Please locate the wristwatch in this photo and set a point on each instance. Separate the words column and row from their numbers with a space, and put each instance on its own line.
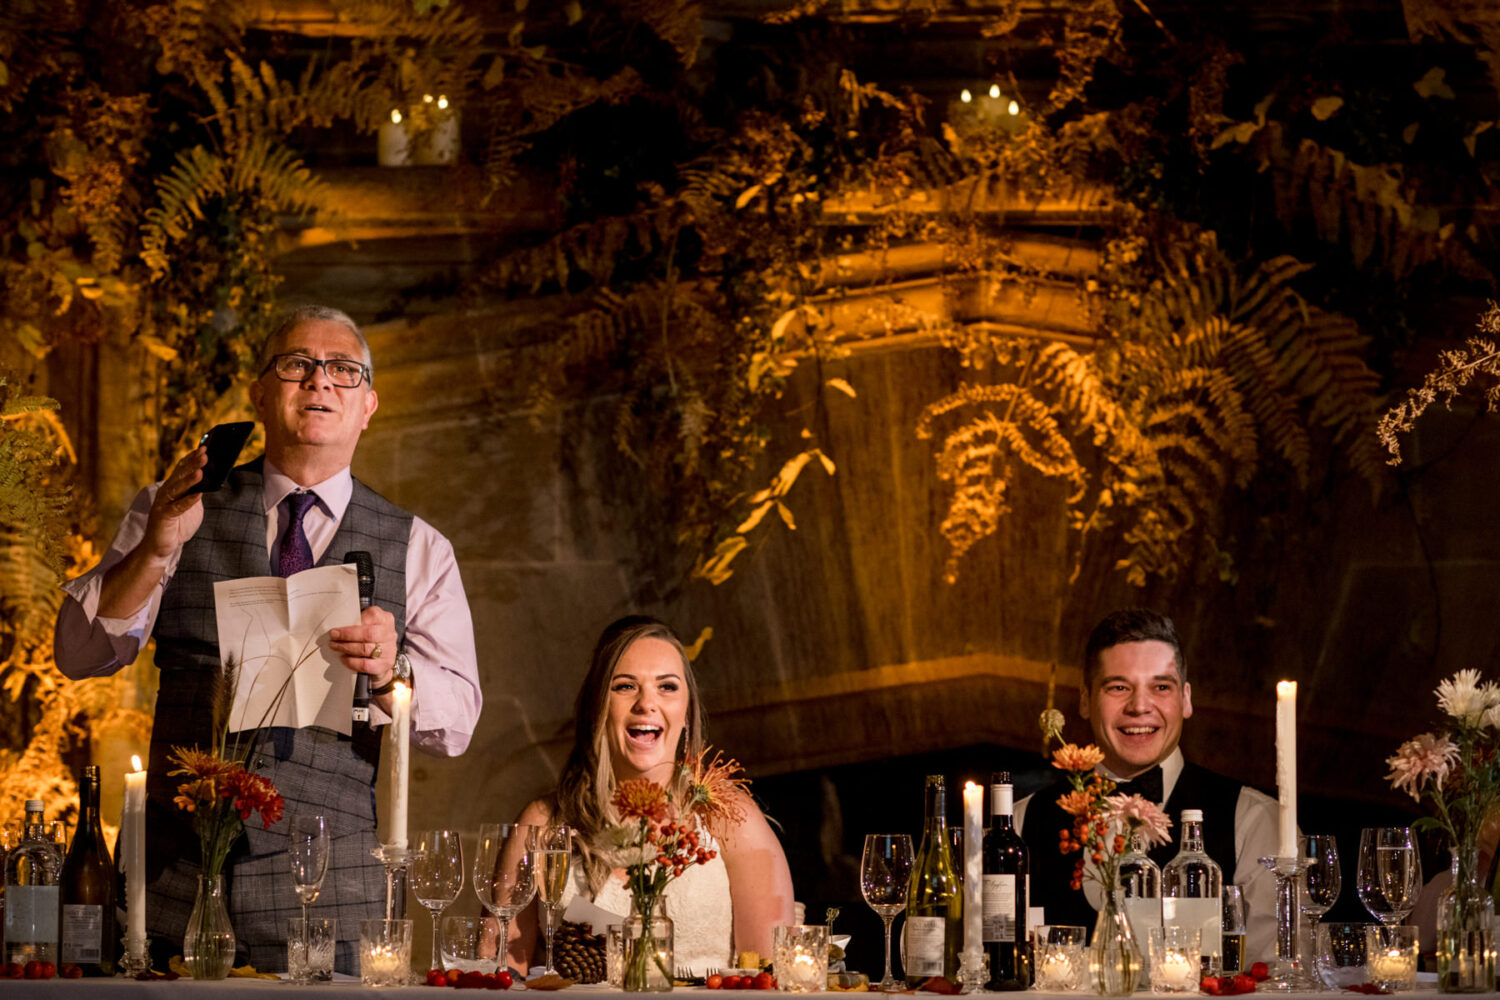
column 402, row 673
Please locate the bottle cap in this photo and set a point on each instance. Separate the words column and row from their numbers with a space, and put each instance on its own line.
column 34, row 805
column 1192, row 815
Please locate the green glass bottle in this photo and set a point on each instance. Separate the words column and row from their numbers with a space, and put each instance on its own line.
column 934, row 907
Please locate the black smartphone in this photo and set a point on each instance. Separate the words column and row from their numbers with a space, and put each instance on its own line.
column 224, row 442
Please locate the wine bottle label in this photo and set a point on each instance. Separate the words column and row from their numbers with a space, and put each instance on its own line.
column 82, row 933
column 924, row 946
column 31, row 912
column 999, row 908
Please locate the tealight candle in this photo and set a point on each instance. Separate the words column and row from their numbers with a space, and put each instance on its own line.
column 1056, row 971
column 1175, row 972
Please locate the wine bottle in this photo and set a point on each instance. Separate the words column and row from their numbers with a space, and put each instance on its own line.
column 1006, row 865
column 934, row 909
column 32, row 868
column 88, row 889
column 1192, row 886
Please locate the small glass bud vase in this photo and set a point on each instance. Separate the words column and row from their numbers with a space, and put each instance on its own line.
column 1115, row 955
column 208, row 945
column 1465, row 930
column 647, row 947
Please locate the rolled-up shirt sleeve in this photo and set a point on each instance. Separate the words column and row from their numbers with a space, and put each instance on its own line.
column 446, row 698
column 87, row 645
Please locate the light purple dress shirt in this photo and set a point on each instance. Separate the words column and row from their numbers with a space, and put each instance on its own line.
column 439, row 630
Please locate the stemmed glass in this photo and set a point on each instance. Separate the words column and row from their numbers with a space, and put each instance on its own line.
column 551, row 847
column 308, row 851
column 1390, row 872
column 437, row 875
column 883, row 874
column 504, row 879
column 1324, row 879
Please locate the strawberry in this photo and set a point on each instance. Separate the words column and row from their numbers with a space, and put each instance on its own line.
column 1244, row 983
column 1210, row 985
column 1260, row 972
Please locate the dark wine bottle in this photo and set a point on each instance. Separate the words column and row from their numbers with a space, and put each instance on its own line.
column 934, row 908
column 1006, row 865
column 88, row 889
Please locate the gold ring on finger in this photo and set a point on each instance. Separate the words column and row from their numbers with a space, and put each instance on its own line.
column 375, row 653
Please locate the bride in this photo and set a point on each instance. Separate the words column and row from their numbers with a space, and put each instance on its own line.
column 638, row 716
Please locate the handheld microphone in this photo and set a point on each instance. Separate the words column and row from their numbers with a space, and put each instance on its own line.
column 364, row 568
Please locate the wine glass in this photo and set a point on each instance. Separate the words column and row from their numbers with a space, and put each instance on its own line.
column 1324, row 879
column 883, row 873
column 307, row 848
column 504, row 879
column 551, row 847
column 1390, row 872
column 437, row 875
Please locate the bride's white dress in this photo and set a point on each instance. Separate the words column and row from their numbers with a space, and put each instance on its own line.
column 697, row 901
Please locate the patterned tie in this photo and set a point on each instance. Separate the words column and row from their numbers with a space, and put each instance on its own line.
column 1148, row 784
column 296, row 554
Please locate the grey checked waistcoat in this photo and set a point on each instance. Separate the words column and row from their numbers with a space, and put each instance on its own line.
column 314, row 770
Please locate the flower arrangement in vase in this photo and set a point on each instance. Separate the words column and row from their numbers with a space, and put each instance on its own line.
column 659, row 836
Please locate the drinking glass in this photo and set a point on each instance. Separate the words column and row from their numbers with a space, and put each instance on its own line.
column 1324, row 879
column 307, row 848
column 1390, row 872
column 551, row 847
column 1340, row 957
column 504, row 879
column 1236, row 916
column 884, row 870
column 437, row 876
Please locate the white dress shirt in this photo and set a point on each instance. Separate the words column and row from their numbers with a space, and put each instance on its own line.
column 1256, row 836
column 446, row 698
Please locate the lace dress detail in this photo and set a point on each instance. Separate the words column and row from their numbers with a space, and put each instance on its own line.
column 697, row 901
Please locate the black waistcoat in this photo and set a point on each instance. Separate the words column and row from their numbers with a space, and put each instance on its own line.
column 1052, row 871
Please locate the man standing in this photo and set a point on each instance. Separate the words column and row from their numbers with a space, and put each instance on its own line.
column 297, row 508
column 1136, row 696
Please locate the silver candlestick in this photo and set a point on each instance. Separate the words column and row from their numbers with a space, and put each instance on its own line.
column 1288, row 973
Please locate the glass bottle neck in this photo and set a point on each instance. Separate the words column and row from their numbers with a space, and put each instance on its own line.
column 1002, row 805
column 937, row 808
column 1192, row 837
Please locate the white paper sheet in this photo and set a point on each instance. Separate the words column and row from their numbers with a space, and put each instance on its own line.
column 277, row 628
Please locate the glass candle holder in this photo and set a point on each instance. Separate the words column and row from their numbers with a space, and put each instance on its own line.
column 1059, row 956
column 801, row 958
column 310, row 946
column 384, row 952
column 1175, row 954
column 1391, row 956
column 614, row 955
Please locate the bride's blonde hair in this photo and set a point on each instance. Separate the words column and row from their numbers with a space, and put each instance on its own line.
column 588, row 778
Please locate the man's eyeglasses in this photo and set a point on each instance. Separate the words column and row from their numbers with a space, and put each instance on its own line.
column 342, row 372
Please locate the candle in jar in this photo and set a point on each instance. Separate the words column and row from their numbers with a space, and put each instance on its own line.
column 973, row 874
column 1286, row 765
column 400, row 761
column 1393, row 964
column 133, row 831
column 1176, row 972
column 1056, row 972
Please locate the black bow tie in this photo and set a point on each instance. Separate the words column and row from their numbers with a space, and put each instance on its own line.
column 1147, row 784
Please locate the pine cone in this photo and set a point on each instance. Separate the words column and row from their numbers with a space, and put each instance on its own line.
column 578, row 953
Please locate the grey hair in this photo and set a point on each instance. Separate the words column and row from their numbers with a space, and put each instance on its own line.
column 297, row 315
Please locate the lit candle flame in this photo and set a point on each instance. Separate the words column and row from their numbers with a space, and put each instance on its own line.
column 443, row 101
column 1286, row 689
column 426, row 98
column 966, row 97
column 135, row 761
column 395, row 117
column 1014, row 108
column 994, row 90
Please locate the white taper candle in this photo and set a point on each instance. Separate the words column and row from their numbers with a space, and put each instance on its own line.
column 1286, row 765
column 400, row 760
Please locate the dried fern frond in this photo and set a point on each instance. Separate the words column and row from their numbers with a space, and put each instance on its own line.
column 1479, row 357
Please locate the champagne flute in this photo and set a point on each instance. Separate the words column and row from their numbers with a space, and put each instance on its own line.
column 551, row 847
column 307, row 848
column 437, row 876
column 504, row 879
column 1390, row 872
column 884, row 871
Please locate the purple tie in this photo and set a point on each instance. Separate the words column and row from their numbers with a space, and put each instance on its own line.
column 296, row 554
